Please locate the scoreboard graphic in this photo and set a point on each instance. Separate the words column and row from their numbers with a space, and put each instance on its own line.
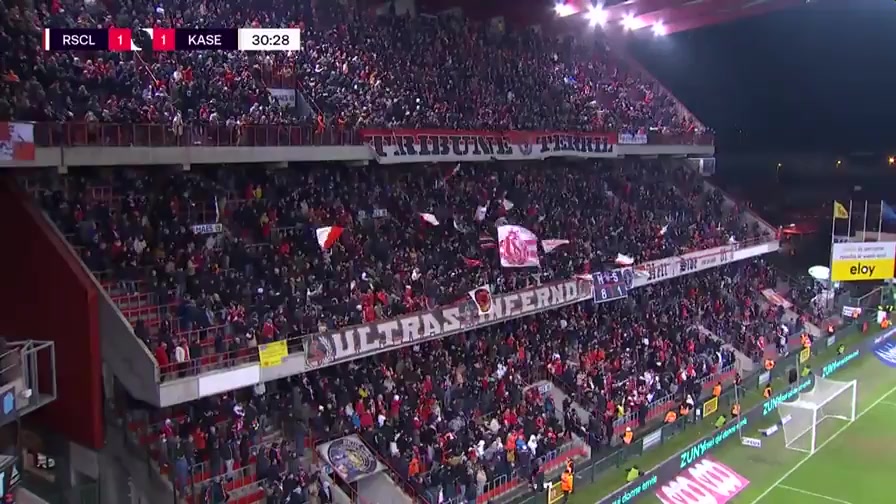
column 172, row 39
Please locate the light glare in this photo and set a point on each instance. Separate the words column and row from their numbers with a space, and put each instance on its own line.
column 597, row 16
column 628, row 22
column 563, row 10
column 659, row 29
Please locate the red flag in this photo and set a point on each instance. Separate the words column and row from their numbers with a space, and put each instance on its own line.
column 472, row 263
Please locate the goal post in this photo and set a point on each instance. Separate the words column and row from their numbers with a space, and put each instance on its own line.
column 828, row 399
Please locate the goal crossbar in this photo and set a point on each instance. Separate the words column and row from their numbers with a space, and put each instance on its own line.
column 828, row 399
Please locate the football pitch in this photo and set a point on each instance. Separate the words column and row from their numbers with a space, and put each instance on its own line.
column 851, row 464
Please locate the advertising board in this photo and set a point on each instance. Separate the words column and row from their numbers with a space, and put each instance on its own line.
column 670, row 469
column 862, row 261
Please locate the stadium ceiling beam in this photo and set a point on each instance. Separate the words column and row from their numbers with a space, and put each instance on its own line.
column 683, row 21
column 711, row 9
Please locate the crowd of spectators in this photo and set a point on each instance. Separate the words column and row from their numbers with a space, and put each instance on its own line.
column 453, row 415
column 356, row 69
column 264, row 277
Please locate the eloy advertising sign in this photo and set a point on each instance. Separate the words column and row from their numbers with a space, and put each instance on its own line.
column 863, row 261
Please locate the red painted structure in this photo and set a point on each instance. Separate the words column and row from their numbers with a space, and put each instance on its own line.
column 48, row 296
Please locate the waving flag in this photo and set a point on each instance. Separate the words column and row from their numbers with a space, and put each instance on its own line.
column 471, row 263
column 517, row 246
column 550, row 245
column 430, row 218
column 624, row 260
column 327, row 236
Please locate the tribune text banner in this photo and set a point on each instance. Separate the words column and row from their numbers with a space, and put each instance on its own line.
column 414, row 146
column 359, row 341
column 684, row 264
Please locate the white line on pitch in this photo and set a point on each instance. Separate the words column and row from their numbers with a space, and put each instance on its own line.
column 813, row 494
column 822, row 445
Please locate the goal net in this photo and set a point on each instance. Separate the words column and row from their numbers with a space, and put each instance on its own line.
column 801, row 419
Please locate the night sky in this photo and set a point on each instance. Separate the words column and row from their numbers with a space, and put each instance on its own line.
column 815, row 77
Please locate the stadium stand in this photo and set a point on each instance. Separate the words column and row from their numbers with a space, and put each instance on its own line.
column 197, row 299
column 135, row 229
column 340, row 72
column 210, row 264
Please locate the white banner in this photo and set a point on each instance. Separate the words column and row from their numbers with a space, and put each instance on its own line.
column 688, row 263
column 517, row 246
column 637, row 138
column 208, row 228
column 16, row 141
column 438, row 146
column 286, row 97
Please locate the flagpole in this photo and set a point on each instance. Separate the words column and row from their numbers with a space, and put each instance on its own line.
column 880, row 220
column 865, row 225
column 833, row 225
column 849, row 223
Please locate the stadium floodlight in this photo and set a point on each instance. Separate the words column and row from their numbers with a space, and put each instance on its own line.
column 659, row 29
column 597, row 16
column 563, row 10
column 628, row 22
column 827, row 399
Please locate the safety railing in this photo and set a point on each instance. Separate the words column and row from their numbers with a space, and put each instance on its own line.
column 75, row 134
column 79, row 134
column 547, row 462
column 659, row 406
column 691, row 138
column 134, row 300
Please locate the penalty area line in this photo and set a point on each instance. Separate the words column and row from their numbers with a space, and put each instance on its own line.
column 822, row 445
column 813, row 494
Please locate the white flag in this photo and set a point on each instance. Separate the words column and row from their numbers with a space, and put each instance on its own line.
column 508, row 205
column 517, row 246
column 624, row 260
column 550, row 245
column 430, row 218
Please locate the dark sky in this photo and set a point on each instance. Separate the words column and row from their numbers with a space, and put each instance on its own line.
column 818, row 77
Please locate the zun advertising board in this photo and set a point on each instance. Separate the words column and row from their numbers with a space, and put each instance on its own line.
column 863, row 261
column 652, row 480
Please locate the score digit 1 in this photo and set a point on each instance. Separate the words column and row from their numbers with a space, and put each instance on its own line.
column 163, row 39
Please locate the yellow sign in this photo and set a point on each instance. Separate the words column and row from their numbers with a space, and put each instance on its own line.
column 710, row 406
column 805, row 354
column 863, row 261
column 272, row 354
column 555, row 493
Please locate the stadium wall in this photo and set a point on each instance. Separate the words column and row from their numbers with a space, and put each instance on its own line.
column 48, row 296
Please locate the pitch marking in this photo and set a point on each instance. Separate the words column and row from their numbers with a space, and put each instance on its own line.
column 822, row 445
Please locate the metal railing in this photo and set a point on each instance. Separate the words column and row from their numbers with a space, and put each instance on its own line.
column 76, row 134
column 660, row 406
column 659, row 138
column 79, row 134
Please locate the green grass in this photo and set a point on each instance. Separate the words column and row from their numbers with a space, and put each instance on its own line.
column 874, row 381
column 852, row 462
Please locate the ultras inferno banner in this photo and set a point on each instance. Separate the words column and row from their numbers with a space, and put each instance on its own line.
column 359, row 341
column 412, row 146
